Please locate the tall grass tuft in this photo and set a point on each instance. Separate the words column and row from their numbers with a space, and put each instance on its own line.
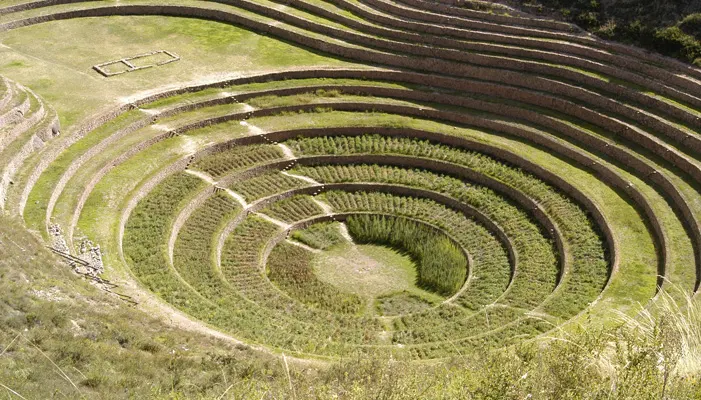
column 652, row 354
column 673, row 322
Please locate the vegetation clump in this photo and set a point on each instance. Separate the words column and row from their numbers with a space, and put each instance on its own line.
column 319, row 236
column 670, row 28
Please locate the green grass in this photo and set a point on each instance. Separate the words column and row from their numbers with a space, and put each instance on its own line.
column 303, row 304
column 491, row 263
column 116, row 351
column 440, row 263
column 589, row 265
column 290, row 268
column 240, row 268
column 193, row 252
column 399, row 303
column 213, row 93
column 266, row 185
column 495, row 54
column 207, row 49
column 638, row 260
column 370, row 271
column 56, row 169
column 58, row 56
column 322, row 96
column 537, row 267
column 56, row 327
column 144, row 242
column 203, row 135
column 200, row 114
column 195, row 262
column 238, row 158
column 67, row 201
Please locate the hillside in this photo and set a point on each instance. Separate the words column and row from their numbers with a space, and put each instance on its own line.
column 672, row 28
column 62, row 337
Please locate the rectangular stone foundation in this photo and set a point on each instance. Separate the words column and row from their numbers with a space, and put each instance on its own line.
column 136, row 63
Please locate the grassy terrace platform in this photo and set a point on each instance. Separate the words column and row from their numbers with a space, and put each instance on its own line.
column 328, row 179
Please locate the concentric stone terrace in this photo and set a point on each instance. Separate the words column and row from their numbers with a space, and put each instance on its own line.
column 531, row 176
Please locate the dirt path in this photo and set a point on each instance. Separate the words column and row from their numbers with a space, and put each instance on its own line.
column 304, row 178
column 277, row 222
column 254, row 130
column 160, row 127
column 344, row 232
column 327, row 208
column 289, row 155
column 302, row 245
column 237, row 197
column 201, row 175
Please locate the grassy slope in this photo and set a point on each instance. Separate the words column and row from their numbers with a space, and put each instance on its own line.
column 60, row 337
column 209, row 50
column 105, row 347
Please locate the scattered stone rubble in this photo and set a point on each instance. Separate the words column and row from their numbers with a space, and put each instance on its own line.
column 88, row 261
column 89, row 253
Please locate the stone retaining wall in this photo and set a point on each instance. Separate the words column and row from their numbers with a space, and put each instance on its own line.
column 471, row 58
column 452, row 8
column 586, row 40
column 462, row 22
column 548, row 227
column 591, row 53
column 500, row 154
column 185, row 214
column 77, row 163
column 342, row 217
column 88, row 188
column 399, row 190
column 34, row 143
column 37, row 4
column 15, row 114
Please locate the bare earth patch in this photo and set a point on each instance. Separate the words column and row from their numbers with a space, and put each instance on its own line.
column 367, row 270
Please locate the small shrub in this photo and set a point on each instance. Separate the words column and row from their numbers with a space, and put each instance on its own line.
column 608, row 30
column 677, row 42
column 149, row 346
column 588, row 19
column 32, row 319
column 328, row 93
column 399, row 303
column 691, row 25
column 94, row 380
